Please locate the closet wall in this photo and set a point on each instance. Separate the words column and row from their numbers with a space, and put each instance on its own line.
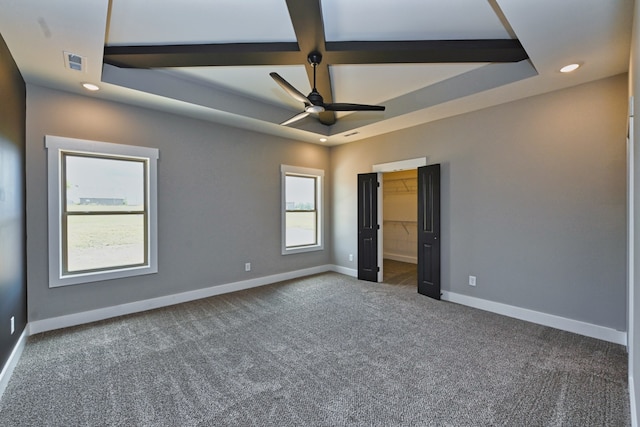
column 400, row 212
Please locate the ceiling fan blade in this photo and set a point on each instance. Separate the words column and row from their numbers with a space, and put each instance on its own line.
column 295, row 118
column 295, row 93
column 340, row 106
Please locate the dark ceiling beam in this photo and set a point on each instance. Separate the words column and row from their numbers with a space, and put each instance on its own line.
column 308, row 25
column 202, row 55
column 334, row 53
column 424, row 51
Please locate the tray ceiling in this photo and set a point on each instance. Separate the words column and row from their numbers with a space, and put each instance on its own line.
column 552, row 33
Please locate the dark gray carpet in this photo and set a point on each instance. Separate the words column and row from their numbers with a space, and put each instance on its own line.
column 327, row 350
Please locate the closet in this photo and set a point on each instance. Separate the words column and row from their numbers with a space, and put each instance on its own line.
column 400, row 211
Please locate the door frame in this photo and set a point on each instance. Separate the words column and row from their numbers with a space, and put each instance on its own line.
column 381, row 168
column 631, row 273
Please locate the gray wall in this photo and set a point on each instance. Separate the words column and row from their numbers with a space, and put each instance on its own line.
column 533, row 199
column 13, row 285
column 218, row 200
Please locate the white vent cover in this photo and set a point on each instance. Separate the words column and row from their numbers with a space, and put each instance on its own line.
column 74, row 62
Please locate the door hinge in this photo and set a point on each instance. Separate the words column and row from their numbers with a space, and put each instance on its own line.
column 377, row 184
column 378, row 269
column 378, row 226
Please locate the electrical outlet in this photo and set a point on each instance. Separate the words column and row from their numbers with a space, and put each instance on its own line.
column 472, row 280
column 13, row 324
column 247, row 266
column 350, row 257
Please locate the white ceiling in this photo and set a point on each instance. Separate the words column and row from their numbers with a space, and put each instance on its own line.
column 595, row 33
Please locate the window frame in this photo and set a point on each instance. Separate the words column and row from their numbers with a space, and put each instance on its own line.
column 318, row 175
column 58, row 147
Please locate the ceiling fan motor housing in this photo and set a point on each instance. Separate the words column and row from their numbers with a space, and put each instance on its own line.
column 315, row 98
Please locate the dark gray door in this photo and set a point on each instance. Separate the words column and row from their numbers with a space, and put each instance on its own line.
column 368, row 227
column 429, row 231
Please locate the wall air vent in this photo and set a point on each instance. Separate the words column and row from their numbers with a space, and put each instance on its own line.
column 74, row 62
column 351, row 134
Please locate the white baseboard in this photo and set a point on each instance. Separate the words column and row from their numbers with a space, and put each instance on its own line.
column 345, row 270
column 401, row 258
column 632, row 402
column 75, row 319
column 562, row 323
column 13, row 360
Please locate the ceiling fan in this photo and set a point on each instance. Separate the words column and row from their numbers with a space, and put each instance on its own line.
column 313, row 103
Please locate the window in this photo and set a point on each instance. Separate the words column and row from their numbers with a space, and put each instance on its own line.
column 102, row 210
column 301, row 209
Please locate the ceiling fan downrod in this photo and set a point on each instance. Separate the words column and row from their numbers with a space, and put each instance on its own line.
column 314, row 58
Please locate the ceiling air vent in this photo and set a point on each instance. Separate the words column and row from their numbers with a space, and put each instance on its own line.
column 73, row 61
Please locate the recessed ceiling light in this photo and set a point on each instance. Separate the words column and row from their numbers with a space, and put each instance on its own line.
column 323, row 139
column 569, row 68
column 90, row 86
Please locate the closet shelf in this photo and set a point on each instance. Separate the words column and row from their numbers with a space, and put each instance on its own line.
column 401, row 185
column 402, row 223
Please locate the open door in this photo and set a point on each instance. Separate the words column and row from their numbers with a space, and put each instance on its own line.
column 368, row 227
column 429, row 231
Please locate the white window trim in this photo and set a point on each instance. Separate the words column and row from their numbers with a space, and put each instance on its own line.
column 316, row 173
column 55, row 146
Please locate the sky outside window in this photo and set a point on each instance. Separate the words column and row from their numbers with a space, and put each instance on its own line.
column 99, row 180
column 300, row 193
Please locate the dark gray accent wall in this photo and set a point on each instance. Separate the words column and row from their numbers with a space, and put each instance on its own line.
column 533, row 199
column 218, row 200
column 13, row 286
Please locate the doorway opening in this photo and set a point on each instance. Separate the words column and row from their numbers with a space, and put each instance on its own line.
column 371, row 224
column 399, row 227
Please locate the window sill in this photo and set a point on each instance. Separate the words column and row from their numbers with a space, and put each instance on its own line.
column 98, row 276
column 301, row 249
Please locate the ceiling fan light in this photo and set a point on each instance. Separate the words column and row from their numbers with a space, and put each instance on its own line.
column 314, row 109
column 569, row 68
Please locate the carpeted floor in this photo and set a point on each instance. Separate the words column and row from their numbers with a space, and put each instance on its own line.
column 326, row 350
